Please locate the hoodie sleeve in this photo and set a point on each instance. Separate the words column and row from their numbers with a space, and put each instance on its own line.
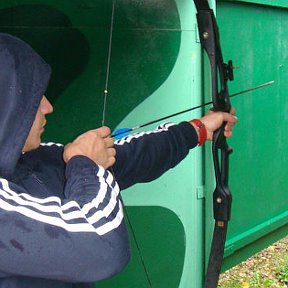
column 145, row 156
column 80, row 239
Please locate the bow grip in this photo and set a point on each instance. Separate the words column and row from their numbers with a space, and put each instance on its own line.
column 222, row 198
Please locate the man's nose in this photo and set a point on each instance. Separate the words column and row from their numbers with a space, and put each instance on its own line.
column 45, row 106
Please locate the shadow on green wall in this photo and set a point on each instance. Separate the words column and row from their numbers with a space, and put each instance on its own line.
column 44, row 28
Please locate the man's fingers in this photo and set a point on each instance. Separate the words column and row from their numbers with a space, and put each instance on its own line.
column 111, row 162
column 229, row 126
column 232, row 111
column 109, row 142
column 102, row 132
column 111, row 152
column 228, row 134
column 229, row 118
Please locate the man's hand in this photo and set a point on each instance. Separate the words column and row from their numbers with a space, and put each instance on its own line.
column 94, row 144
column 214, row 120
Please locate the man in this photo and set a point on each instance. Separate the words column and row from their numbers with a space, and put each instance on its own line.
column 60, row 209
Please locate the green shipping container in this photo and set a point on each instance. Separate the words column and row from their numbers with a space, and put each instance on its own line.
column 147, row 55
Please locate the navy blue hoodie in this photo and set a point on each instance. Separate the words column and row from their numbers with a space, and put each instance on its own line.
column 62, row 225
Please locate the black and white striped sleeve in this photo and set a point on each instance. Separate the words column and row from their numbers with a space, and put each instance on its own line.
column 145, row 156
column 80, row 239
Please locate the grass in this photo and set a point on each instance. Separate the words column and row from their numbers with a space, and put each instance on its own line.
column 268, row 268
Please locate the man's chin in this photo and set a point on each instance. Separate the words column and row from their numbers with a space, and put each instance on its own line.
column 31, row 147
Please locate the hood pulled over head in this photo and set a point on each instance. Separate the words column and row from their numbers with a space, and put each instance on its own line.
column 24, row 77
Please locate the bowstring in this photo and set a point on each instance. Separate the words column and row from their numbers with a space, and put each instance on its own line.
column 108, row 64
column 103, row 123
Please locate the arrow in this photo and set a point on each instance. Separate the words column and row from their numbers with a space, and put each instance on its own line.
column 119, row 133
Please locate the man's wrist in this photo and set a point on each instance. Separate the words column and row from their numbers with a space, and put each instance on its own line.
column 200, row 129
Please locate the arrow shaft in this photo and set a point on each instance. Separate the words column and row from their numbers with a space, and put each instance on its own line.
column 191, row 109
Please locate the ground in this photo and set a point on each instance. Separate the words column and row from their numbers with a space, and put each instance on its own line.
column 268, row 268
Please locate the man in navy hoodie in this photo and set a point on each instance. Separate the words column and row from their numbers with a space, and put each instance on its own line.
column 61, row 213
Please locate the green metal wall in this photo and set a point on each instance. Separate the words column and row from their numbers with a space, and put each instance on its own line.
column 254, row 35
column 156, row 69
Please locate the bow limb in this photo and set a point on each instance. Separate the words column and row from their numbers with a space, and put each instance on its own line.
column 220, row 74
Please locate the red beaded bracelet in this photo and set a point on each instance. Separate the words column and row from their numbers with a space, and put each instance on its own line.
column 202, row 131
